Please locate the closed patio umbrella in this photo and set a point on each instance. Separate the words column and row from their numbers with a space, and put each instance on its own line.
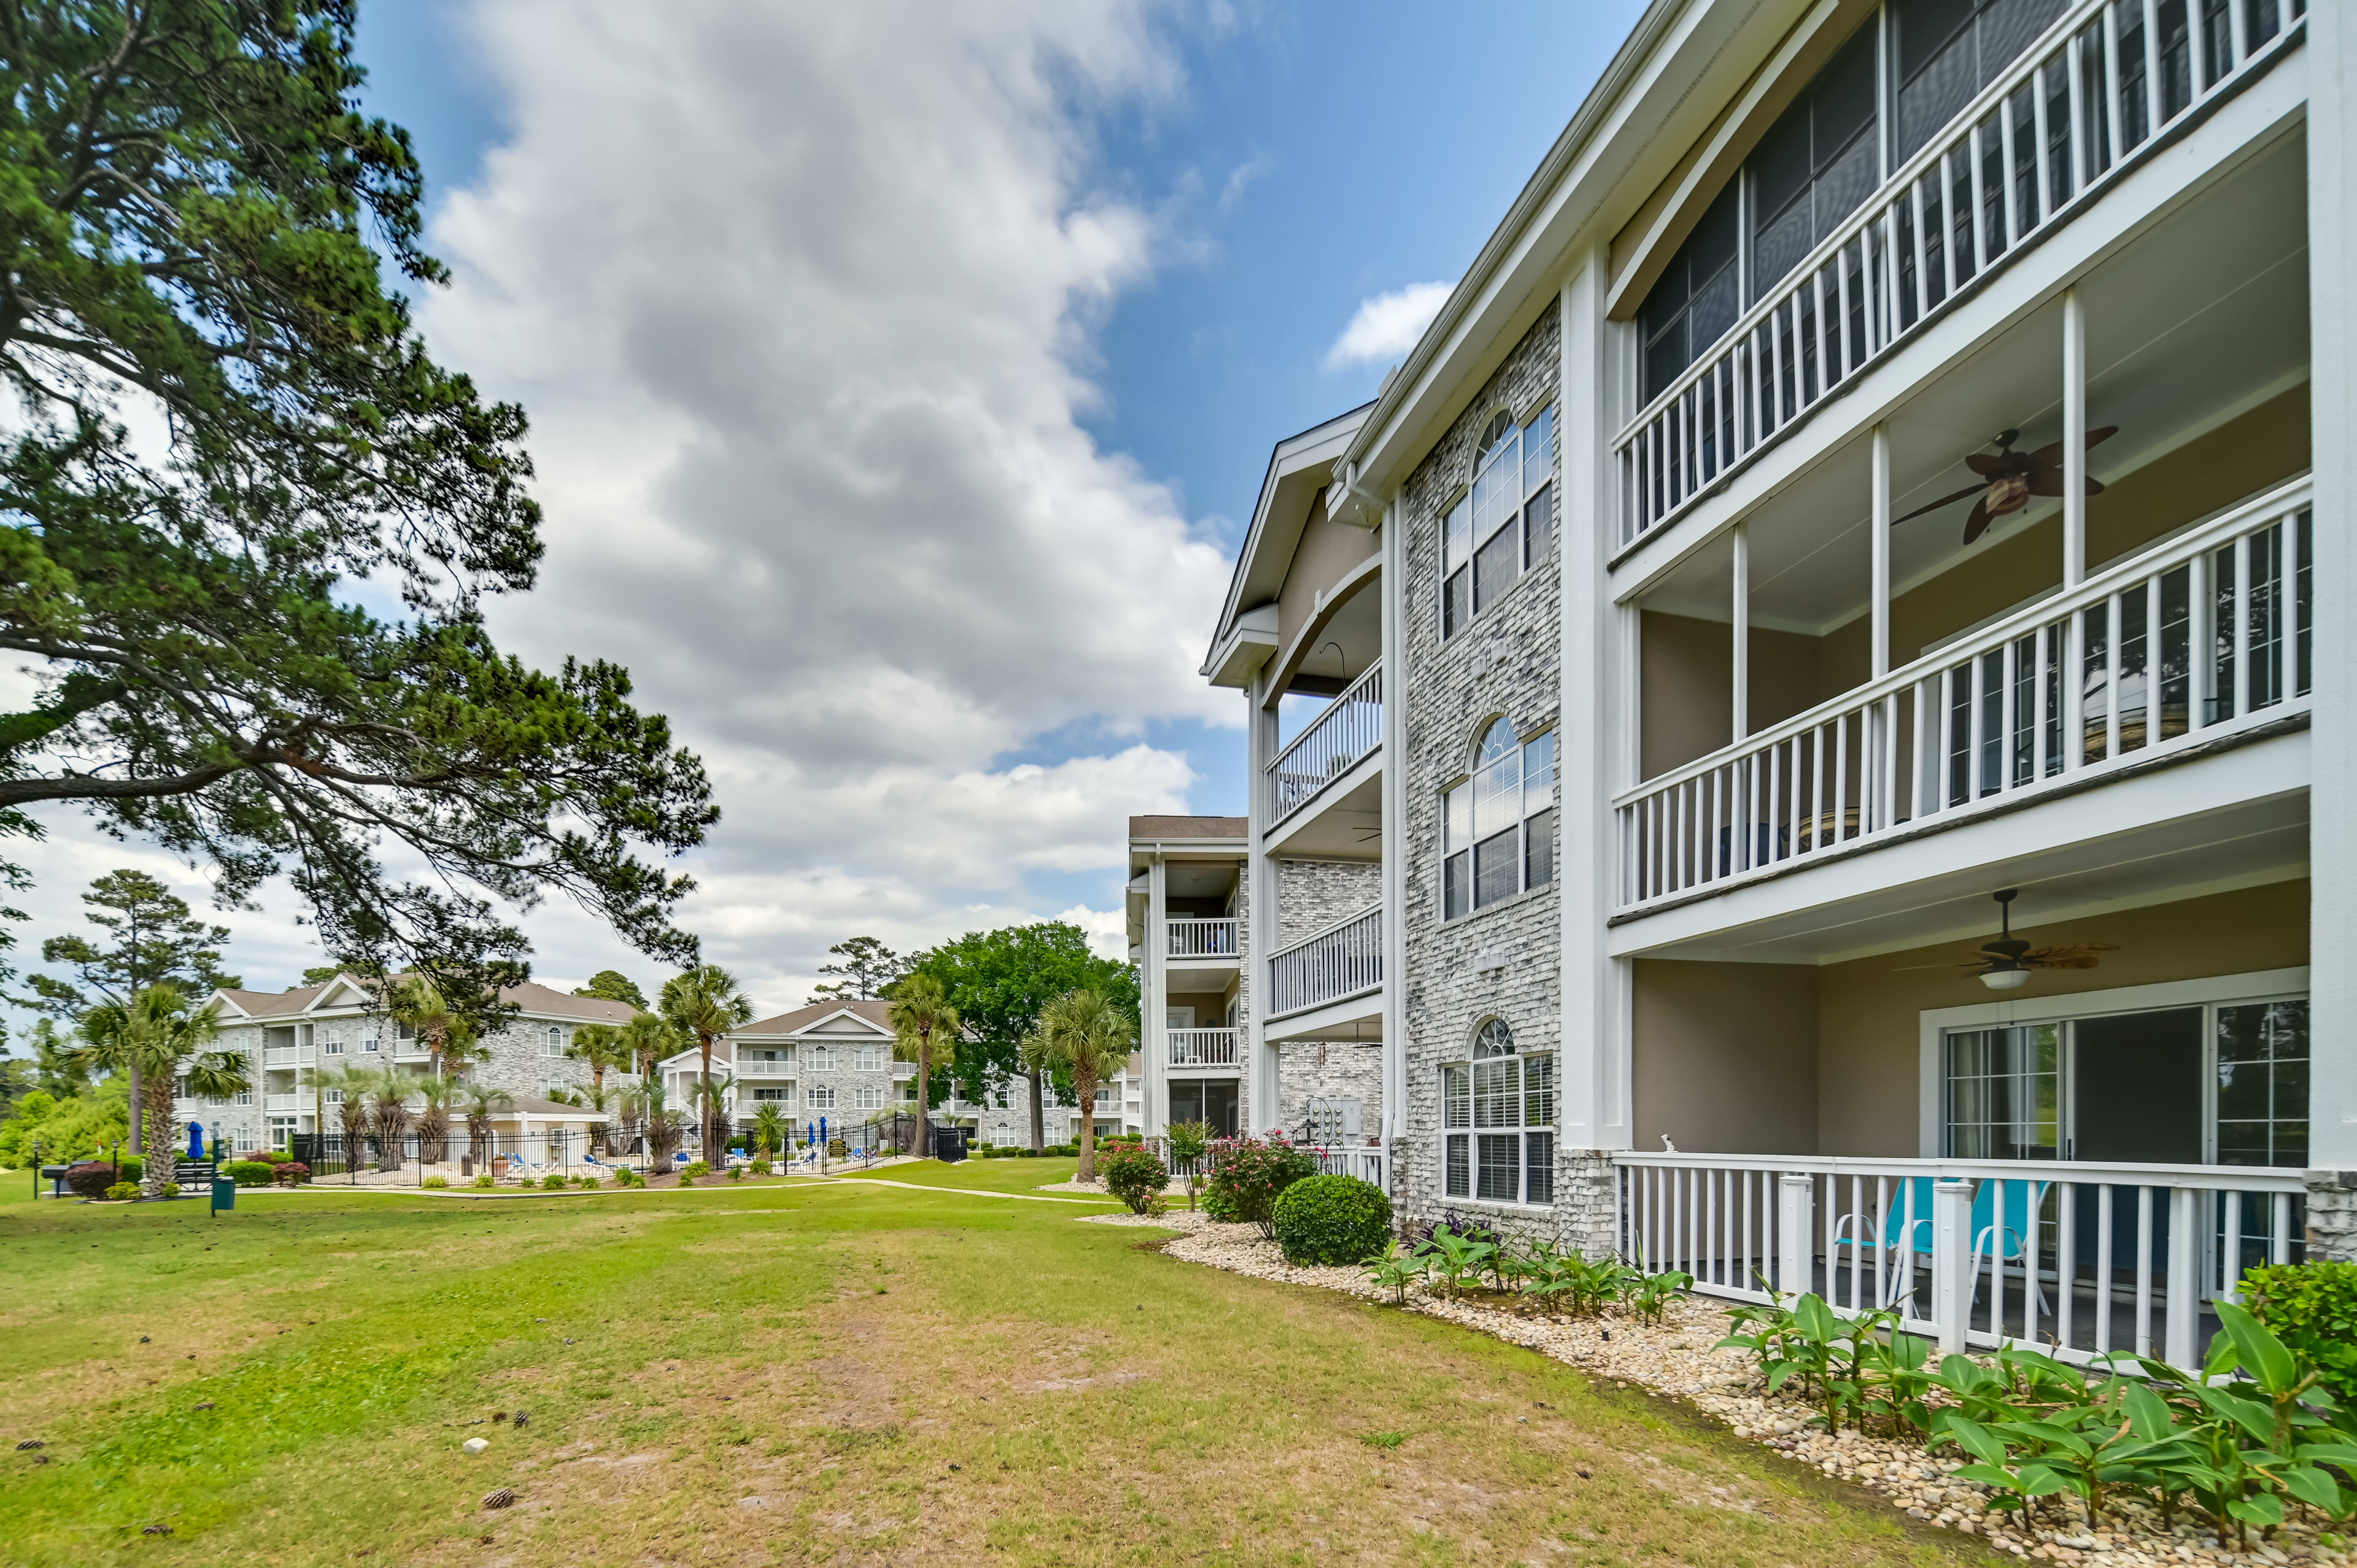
column 196, row 1140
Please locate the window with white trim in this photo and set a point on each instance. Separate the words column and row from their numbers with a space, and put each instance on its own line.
column 552, row 1042
column 369, row 1037
column 821, row 1060
column 1501, row 526
column 769, row 1094
column 869, row 1059
column 820, row 1096
column 1497, row 828
column 867, row 1097
column 1497, row 1142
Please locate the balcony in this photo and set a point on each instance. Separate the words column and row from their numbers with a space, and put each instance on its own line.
column 2188, row 648
column 2028, row 154
column 286, row 1103
column 1336, row 742
column 288, row 1056
column 1342, row 961
column 1202, row 1047
column 766, row 1069
column 1211, row 939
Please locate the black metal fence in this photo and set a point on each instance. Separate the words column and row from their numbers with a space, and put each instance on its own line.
column 464, row 1157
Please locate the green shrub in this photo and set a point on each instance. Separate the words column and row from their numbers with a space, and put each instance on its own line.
column 482, row 1183
column 290, row 1173
column 123, row 1192
column 2312, row 1308
column 552, row 1182
column 626, row 1179
column 248, row 1173
column 1220, row 1205
column 90, row 1178
column 434, row 1183
column 692, row 1170
column 736, row 1173
column 1332, row 1220
column 171, row 1189
column 1132, row 1175
column 761, row 1167
column 131, row 1169
column 1247, row 1175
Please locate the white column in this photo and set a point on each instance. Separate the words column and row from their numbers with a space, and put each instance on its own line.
column 2332, row 791
column 1395, row 825
column 1796, row 1229
column 1951, row 1286
column 1879, row 554
column 1739, row 641
column 2074, row 439
column 1157, row 1042
column 1257, row 1109
column 1596, row 745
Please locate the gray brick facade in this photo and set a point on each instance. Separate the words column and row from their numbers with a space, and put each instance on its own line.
column 1312, row 894
column 1505, row 960
column 1336, row 1070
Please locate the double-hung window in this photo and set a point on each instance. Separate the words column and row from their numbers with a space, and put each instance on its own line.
column 819, row 1097
column 868, row 1058
column 867, row 1097
column 1501, row 527
column 552, row 1042
column 1497, row 1141
column 1497, row 828
column 821, row 1060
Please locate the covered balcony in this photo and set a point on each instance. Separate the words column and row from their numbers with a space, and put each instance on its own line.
column 1330, row 983
column 2102, row 91
column 1201, row 1048
column 2087, row 1155
column 1924, row 645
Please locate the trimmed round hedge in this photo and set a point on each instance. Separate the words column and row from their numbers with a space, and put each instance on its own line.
column 1334, row 1220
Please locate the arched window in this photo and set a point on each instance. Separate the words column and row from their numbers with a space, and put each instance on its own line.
column 551, row 1043
column 1497, row 1141
column 821, row 1060
column 1501, row 526
column 1497, row 828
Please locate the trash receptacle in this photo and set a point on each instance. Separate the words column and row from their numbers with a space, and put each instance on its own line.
column 224, row 1194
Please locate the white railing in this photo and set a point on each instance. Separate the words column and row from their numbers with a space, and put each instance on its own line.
column 286, row 1056
column 1191, row 937
column 2214, row 635
column 286, row 1102
column 2079, row 1258
column 1370, row 1162
column 1202, row 1047
column 766, row 1069
column 1343, row 959
column 2028, row 153
column 1350, row 727
column 908, row 1070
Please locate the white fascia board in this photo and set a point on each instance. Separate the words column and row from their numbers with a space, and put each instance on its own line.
column 1683, row 58
column 1299, row 468
column 1246, row 642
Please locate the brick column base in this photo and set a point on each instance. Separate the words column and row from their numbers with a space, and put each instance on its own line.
column 2333, row 1217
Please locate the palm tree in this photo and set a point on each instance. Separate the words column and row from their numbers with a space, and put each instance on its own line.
column 647, row 1038
column 771, row 1128
column 1089, row 1035
column 153, row 1036
column 712, row 1098
column 482, row 1103
column 605, row 1048
column 704, row 1004
column 598, row 1097
column 350, row 1087
column 434, row 1119
column 448, row 1039
column 662, row 1128
column 922, row 1014
column 389, row 1092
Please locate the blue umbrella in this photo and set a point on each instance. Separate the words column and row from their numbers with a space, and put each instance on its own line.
column 196, row 1140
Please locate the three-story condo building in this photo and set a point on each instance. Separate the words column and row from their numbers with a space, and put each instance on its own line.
column 1808, row 728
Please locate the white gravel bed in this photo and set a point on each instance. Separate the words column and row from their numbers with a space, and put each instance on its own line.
column 1677, row 1358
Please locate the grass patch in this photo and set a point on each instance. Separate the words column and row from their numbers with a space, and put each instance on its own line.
column 983, row 1176
column 711, row 1377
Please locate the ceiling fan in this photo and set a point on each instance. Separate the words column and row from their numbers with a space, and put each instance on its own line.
column 2005, row 963
column 2010, row 478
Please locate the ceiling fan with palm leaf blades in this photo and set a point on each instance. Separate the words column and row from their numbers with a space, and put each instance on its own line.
column 2006, row 963
column 2009, row 478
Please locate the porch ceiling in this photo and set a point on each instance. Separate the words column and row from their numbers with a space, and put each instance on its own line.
column 2192, row 321
column 1343, row 822
column 2222, row 821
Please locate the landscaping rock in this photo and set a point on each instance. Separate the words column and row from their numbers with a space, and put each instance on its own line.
column 475, row 1445
column 1675, row 1359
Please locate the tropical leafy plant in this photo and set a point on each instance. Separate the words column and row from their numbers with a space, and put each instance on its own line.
column 701, row 1005
column 1085, row 1033
column 1189, row 1142
column 1395, row 1268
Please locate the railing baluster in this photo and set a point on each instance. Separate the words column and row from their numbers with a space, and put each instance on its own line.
column 2144, row 1271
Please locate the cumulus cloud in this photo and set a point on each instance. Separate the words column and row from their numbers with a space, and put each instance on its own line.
column 1386, row 326
column 801, row 301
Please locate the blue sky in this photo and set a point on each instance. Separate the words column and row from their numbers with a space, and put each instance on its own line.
column 1321, row 154
column 901, row 377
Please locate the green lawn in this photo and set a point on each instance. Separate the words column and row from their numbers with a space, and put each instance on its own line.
column 990, row 1176
column 837, row 1372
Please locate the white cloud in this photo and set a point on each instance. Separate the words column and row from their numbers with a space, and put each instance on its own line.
column 802, row 302
column 1386, row 326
